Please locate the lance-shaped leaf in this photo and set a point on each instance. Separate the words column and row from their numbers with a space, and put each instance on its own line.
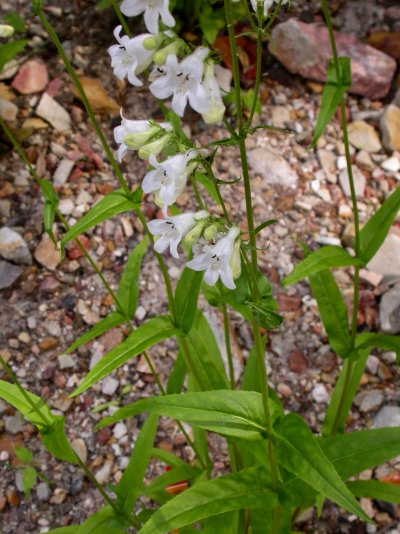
column 50, row 205
column 72, row 529
column 177, row 376
column 8, row 51
column 247, row 489
column 111, row 321
column 105, row 520
column 373, row 489
column 299, row 452
column 328, row 257
column 145, row 336
column 333, row 93
column 156, row 490
column 333, row 311
column 369, row 340
column 373, row 234
column 128, row 289
column 186, row 297
column 109, row 206
column 51, row 427
column 230, row 413
column 131, row 483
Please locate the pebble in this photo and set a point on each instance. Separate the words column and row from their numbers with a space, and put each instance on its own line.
column 9, row 274
column 14, row 424
column 280, row 117
column 120, row 430
column 390, row 127
column 140, row 313
column 363, row 159
column 327, row 160
column 24, row 337
column 369, row 401
column 392, row 164
column 320, row 394
column 359, row 182
column 32, row 77
column 51, row 111
column 387, row 260
column 8, row 110
column 80, row 448
column 387, row 416
column 104, row 472
column 109, row 386
column 364, row 136
column 47, row 254
column 389, row 311
column 63, row 171
column 66, row 361
column 373, row 364
column 272, row 167
column 43, row 491
column 13, row 246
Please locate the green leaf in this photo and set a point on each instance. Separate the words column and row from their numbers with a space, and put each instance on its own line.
column 109, row 206
column 8, row 51
column 252, row 377
column 105, row 521
column 373, row 234
column 111, row 321
column 209, row 369
column 325, row 258
column 299, row 452
column 145, row 336
column 208, row 185
column 128, row 289
column 72, row 529
column 101, row 5
column 246, row 489
column 131, row 483
column 333, row 93
column 156, row 490
column 15, row 20
column 368, row 340
column 24, row 455
column 230, row 413
column 222, row 523
column 344, row 392
column 49, row 215
column 271, row 319
column 29, row 476
column 265, row 224
column 373, row 489
column 177, row 376
column 186, row 297
column 333, row 311
column 167, row 457
column 51, row 427
column 354, row 452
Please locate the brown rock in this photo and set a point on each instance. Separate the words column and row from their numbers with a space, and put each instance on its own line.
column 48, row 343
column 98, row 97
column 103, row 435
column 47, row 254
column 297, row 362
column 390, row 126
column 388, row 42
column 32, row 77
column 289, row 304
column 305, row 49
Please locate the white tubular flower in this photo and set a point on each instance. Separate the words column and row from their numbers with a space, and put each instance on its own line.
column 169, row 177
column 152, row 9
column 130, row 58
column 216, row 112
column 132, row 135
column 182, row 81
column 215, row 260
column 267, row 4
column 172, row 230
column 6, row 30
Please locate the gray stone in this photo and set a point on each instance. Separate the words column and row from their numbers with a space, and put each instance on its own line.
column 389, row 311
column 327, row 160
column 110, row 386
column 272, row 167
column 51, row 111
column 13, row 246
column 43, row 491
column 9, row 274
column 387, row 416
column 280, row 117
column 369, row 401
column 14, row 424
column 387, row 260
column 359, row 182
column 65, row 361
column 364, row 136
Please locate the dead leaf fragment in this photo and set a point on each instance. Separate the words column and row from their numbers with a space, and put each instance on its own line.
column 98, row 97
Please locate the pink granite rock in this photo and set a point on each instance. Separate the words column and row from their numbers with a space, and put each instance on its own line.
column 32, row 77
column 305, row 49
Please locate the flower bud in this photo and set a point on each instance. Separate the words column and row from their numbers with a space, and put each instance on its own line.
column 153, row 42
column 138, row 139
column 160, row 57
column 210, row 232
column 195, row 234
column 6, row 30
column 236, row 261
column 155, row 147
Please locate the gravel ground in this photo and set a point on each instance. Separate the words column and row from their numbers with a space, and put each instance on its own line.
column 51, row 301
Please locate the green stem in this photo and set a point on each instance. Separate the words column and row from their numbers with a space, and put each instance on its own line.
column 121, row 18
column 346, row 143
column 228, row 345
column 252, row 237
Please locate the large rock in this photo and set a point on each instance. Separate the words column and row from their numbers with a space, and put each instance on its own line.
column 13, row 246
column 305, row 49
column 387, row 260
column 389, row 311
column 272, row 167
column 390, row 126
column 359, row 182
column 32, row 77
column 51, row 111
column 364, row 137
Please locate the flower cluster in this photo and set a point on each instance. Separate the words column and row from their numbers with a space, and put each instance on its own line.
column 196, row 80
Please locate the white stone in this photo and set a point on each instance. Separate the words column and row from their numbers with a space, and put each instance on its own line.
column 109, row 386
column 272, row 167
column 387, row 260
column 359, row 182
column 320, row 394
column 66, row 206
column 120, row 430
column 51, row 111
column 66, row 361
column 392, row 164
column 364, row 136
column 104, row 472
column 63, row 171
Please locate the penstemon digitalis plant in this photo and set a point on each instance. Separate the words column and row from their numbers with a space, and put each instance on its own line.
column 278, row 466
